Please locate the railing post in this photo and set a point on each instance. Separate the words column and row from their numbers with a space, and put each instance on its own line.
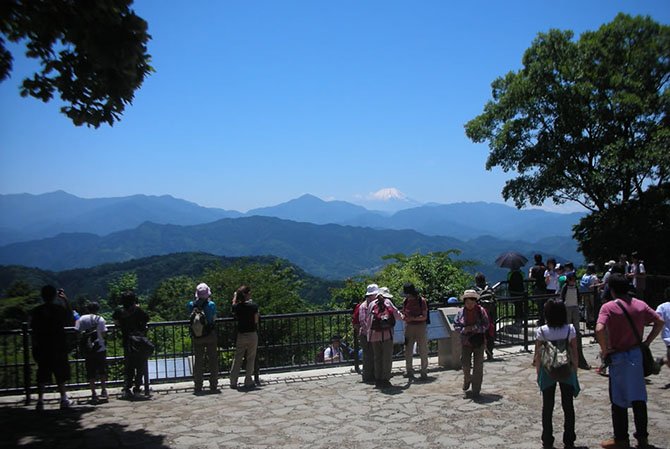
column 525, row 309
column 26, row 360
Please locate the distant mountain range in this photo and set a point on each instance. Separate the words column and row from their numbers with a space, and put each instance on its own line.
column 328, row 251
column 25, row 217
column 330, row 239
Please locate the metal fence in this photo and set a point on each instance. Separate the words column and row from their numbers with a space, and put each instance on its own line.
column 286, row 343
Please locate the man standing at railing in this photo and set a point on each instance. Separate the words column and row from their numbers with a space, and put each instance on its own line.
column 132, row 321
column 48, row 322
column 202, row 313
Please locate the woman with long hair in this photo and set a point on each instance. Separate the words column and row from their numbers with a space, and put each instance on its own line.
column 563, row 336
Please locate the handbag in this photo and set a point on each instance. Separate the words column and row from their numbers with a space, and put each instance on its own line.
column 649, row 365
column 140, row 345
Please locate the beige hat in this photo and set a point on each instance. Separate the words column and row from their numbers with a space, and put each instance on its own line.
column 469, row 294
column 611, row 263
column 384, row 291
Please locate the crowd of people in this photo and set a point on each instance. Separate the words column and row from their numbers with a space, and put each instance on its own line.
column 618, row 314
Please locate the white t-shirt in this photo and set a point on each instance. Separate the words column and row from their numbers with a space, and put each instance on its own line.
column 552, row 284
column 546, row 333
column 87, row 322
column 331, row 354
column 664, row 311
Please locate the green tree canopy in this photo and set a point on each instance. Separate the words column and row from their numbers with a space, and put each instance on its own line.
column 435, row 275
column 585, row 120
column 93, row 53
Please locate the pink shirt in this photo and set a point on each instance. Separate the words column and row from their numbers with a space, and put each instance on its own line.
column 363, row 321
column 621, row 335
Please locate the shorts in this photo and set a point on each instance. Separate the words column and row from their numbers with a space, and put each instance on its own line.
column 96, row 365
column 55, row 364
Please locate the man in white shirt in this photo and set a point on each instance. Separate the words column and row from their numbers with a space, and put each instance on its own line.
column 664, row 311
column 333, row 353
column 95, row 352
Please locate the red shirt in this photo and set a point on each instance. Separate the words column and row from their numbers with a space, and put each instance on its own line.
column 621, row 334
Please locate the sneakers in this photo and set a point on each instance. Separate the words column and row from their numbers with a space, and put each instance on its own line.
column 127, row 394
column 66, row 403
column 39, row 406
column 103, row 396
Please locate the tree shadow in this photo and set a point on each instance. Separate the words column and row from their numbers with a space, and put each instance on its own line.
column 52, row 428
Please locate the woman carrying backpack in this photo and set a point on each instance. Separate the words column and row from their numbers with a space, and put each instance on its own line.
column 382, row 316
column 556, row 360
column 473, row 323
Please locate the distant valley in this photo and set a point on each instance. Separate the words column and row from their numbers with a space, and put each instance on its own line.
column 330, row 239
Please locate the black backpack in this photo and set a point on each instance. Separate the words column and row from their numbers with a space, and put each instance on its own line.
column 88, row 339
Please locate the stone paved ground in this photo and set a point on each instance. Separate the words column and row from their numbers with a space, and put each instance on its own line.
column 333, row 409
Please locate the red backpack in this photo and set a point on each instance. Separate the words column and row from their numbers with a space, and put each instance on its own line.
column 382, row 317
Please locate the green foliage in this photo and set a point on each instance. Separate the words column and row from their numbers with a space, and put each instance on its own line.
column 435, row 275
column 169, row 299
column 94, row 54
column 275, row 287
column 125, row 282
column 583, row 121
column 637, row 225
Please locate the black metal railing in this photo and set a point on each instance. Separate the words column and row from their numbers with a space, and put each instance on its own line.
column 286, row 342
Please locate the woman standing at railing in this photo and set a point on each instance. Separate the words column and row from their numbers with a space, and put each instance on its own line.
column 247, row 317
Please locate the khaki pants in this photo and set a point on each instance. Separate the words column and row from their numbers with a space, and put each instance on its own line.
column 383, row 351
column 477, row 367
column 416, row 333
column 368, row 359
column 247, row 343
column 205, row 346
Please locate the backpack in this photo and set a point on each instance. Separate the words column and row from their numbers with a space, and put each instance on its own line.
column 321, row 355
column 199, row 326
column 422, row 299
column 554, row 360
column 537, row 274
column 88, row 339
column 382, row 318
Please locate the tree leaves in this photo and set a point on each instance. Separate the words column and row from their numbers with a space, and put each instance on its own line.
column 93, row 54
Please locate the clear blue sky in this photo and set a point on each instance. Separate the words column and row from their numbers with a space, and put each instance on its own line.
column 254, row 103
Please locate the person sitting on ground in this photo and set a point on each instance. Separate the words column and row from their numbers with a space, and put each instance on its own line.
column 472, row 323
column 96, row 357
column 49, row 343
column 560, row 333
column 333, row 353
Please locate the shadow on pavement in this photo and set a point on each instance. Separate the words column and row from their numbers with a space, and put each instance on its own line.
column 53, row 428
column 487, row 398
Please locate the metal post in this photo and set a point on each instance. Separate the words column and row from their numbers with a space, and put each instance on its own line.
column 525, row 321
column 26, row 361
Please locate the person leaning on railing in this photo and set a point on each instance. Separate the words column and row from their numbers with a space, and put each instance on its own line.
column 247, row 316
column 132, row 321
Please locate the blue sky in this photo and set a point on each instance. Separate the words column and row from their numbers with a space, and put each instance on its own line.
column 254, row 103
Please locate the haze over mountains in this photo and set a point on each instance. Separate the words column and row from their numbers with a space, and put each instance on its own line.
column 327, row 238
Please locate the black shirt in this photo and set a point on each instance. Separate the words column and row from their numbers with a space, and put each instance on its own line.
column 131, row 321
column 48, row 322
column 244, row 313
